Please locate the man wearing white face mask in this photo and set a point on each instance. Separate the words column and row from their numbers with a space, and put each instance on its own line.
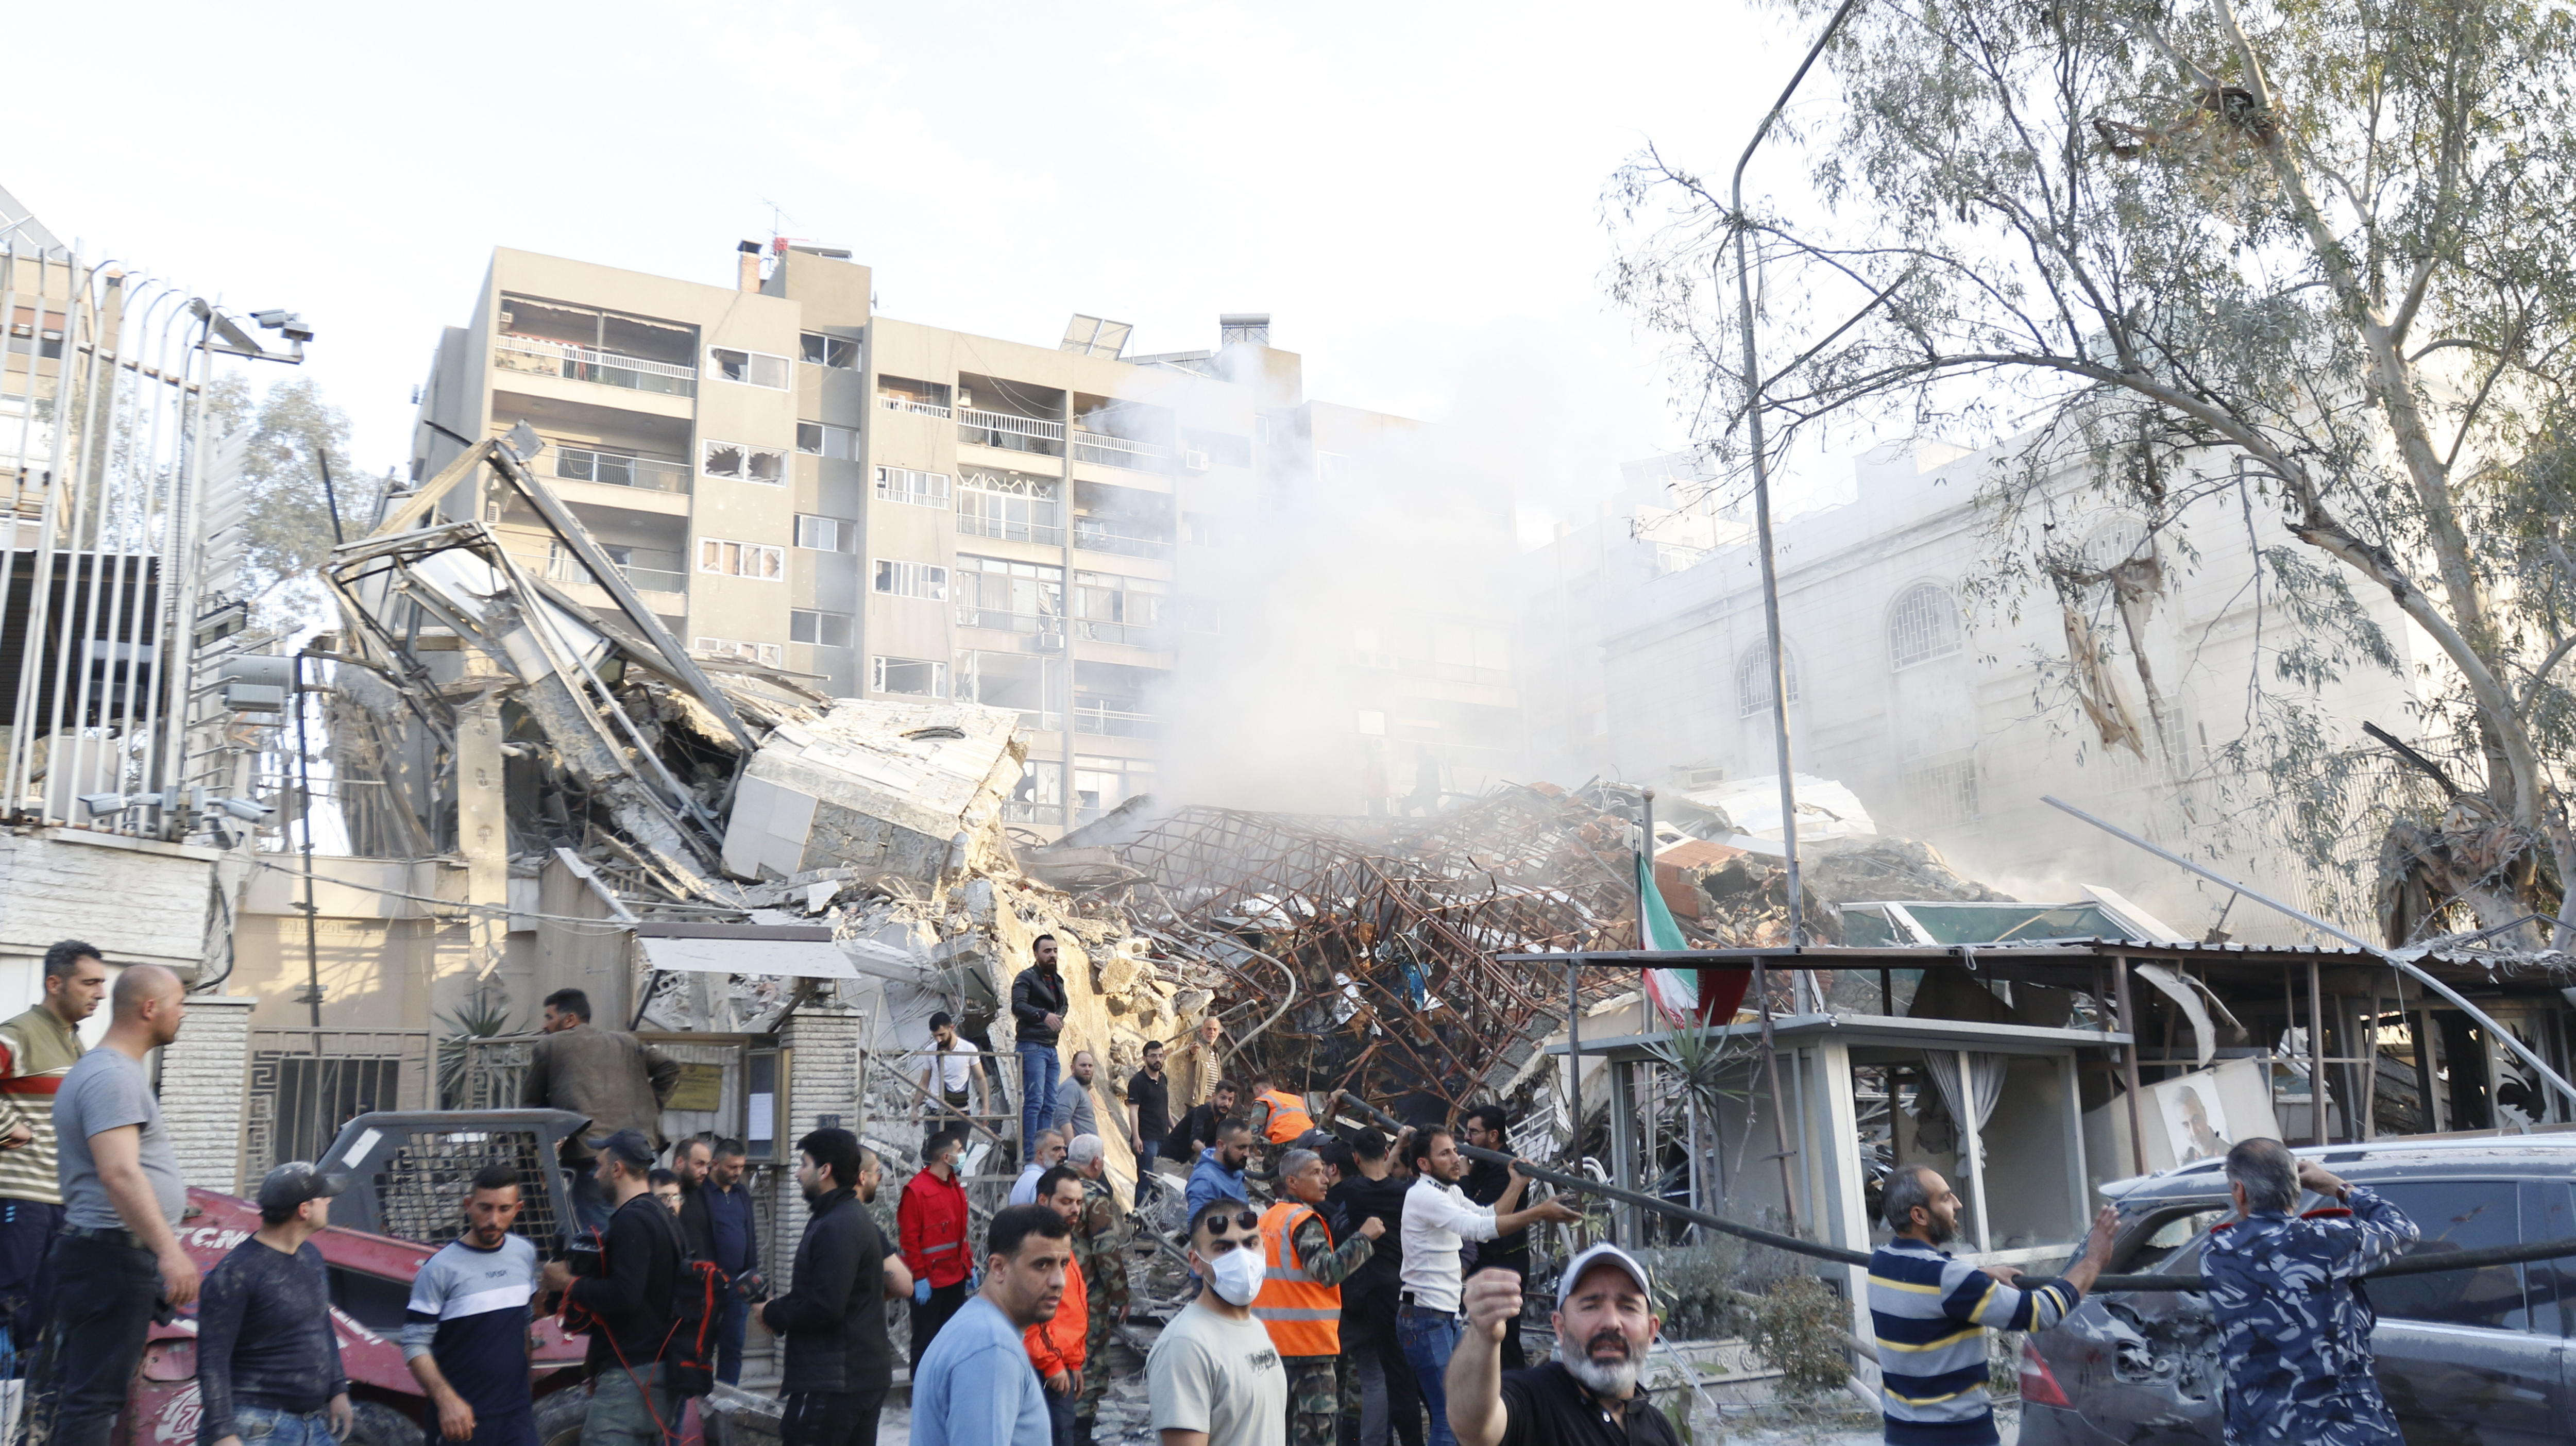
column 1214, row 1378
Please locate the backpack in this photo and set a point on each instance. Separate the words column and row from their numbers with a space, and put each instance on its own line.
column 688, row 1353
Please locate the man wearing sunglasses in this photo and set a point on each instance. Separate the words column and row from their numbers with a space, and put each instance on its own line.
column 1213, row 1377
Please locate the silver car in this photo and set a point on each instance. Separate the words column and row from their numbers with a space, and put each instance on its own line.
column 2481, row 1357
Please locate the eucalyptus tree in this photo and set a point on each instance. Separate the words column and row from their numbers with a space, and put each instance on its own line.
column 2307, row 257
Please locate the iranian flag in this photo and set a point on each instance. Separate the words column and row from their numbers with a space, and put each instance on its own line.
column 1707, row 996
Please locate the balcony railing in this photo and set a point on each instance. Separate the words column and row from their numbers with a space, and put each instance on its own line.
column 1099, row 536
column 582, row 364
column 1007, row 529
column 894, row 402
column 616, row 469
column 1133, row 635
column 1010, row 431
column 1110, row 722
column 1109, row 451
column 1003, row 620
column 564, row 567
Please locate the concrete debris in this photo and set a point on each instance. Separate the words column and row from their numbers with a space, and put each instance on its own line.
column 890, row 787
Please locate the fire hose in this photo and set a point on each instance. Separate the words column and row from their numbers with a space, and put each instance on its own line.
column 2478, row 1259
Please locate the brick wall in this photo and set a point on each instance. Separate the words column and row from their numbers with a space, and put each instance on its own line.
column 143, row 902
column 822, row 1079
column 203, row 1073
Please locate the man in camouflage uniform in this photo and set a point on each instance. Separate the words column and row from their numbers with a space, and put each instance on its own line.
column 2293, row 1332
column 1301, row 1294
column 1100, row 1248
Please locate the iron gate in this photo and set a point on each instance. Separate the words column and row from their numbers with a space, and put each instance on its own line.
column 306, row 1083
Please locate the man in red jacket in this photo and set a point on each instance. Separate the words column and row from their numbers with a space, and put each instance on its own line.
column 931, row 1224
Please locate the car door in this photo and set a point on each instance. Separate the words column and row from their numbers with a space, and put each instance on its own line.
column 2464, row 1360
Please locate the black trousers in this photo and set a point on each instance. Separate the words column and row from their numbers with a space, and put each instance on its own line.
column 96, row 1338
column 831, row 1418
column 928, row 1316
column 27, row 1229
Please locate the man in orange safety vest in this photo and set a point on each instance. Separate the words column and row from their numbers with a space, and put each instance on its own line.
column 1301, row 1294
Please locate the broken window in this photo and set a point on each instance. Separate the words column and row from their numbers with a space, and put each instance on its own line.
column 1031, row 683
column 744, row 463
column 742, row 559
column 1753, row 681
column 1019, row 597
column 912, row 579
column 1039, row 795
column 903, row 394
column 837, row 352
column 1101, row 783
column 823, row 630
column 920, row 489
column 911, row 677
column 770, row 654
column 1923, row 626
column 822, row 439
column 817, row 533
column 752, row 368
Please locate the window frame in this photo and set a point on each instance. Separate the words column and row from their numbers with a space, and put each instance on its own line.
column 813, row 621
column 825, row 434
column 772, row 553
column 911, row 494
column 716, row 370
column 769, row 655
column 845, row 532
column 932, row 579
column 805, row 341
column 706, row 462
column 1898, row 619
column 878, row 669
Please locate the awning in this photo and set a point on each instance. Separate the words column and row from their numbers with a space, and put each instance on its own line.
column 794, row 958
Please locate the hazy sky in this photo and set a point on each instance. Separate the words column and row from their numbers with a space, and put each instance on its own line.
column 1413, row 191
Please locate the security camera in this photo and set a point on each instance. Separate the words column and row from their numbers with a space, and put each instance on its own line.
column 247, row 810
column 286, row 323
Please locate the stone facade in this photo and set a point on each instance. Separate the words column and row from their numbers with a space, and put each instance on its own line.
column 822, row 1080
column 202, row 1080
column 141, row 901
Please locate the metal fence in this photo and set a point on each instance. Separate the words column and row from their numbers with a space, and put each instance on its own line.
column 306, row 1083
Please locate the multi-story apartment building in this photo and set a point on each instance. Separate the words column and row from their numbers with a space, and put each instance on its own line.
column 897, row 509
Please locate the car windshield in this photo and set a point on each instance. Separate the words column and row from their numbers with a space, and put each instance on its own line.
column 2173, row 1238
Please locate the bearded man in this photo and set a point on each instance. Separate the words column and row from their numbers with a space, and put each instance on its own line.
column 1605, row 1322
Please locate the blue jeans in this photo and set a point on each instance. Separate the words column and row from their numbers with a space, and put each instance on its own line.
column 735, row 1313
column 1429, row 1338
column 260, row 1426
column 1037, row 1095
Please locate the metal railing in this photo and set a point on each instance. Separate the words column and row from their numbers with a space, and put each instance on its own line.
column 1133, row 635
column 894, row 402
column 564, row 567
column 305, row 1083
column 1110, row 722
column 1013, row 432
column 584, row 364
column 620, row 469
column 1007, row 529
column 1109, row 451
column 1097, row 536
column 1003, row 620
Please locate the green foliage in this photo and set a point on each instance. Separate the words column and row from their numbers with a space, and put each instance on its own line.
column 478, row 1018
column 1798, row 1331
column 1693, row 1288
column 288, row 517
column 2287, row 274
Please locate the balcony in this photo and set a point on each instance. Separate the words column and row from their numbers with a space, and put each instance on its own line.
column 618, row 469
column 583, row 364
column 920, row 407
column 1097, row 534
column 1132, row 635
column 1108, row 722
column 976, row 523
column 1049, row 631
column 1109, row 451
column 1011, row 432
column 643, row 571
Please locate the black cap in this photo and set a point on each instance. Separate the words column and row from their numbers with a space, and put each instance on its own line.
column 627, row 1145
column 296, row 1181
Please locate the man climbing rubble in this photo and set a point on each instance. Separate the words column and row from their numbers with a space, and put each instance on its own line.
column 605, row 1075
column 1038, row 1003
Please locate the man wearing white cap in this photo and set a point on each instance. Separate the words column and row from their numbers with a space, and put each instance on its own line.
column 1605, row 1321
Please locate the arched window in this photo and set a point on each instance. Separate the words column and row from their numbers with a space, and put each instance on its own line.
column 1924, row 625
column 1753, row 681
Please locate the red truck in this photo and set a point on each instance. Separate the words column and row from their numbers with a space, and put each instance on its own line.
column 407, row 1177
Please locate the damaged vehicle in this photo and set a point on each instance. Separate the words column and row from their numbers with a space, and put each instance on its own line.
column 2483, row 1357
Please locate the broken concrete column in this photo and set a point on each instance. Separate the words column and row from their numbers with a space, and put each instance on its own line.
column 204, row 1075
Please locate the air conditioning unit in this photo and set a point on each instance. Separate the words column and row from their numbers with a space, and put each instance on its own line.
column 1195, row 461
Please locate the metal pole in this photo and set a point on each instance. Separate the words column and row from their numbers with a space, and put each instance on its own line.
column 1771, row 1074
column 304, row 812
column 330, row 494
column 2316, row 1054
column 2129, row 1061
column 2403, row 966
column 1646, row 871
column 1762, row 487
column 1573, row 1059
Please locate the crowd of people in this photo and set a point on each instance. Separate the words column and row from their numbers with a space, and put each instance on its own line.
column 1376, row 1298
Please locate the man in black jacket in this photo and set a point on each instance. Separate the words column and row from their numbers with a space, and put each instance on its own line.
column 1485, row 1183
column 629, row 1301
column 268, row 1365
column 1037, row 1007
column 1378, row 1389
column 839, row 1363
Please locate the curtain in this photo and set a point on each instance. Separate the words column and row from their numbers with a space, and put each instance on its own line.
column 1985, row 1086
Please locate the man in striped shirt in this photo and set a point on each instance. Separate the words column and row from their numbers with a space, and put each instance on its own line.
column 1931, row 1313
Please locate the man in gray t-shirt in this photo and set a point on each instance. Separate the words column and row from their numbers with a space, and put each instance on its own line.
column 118, row 1253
